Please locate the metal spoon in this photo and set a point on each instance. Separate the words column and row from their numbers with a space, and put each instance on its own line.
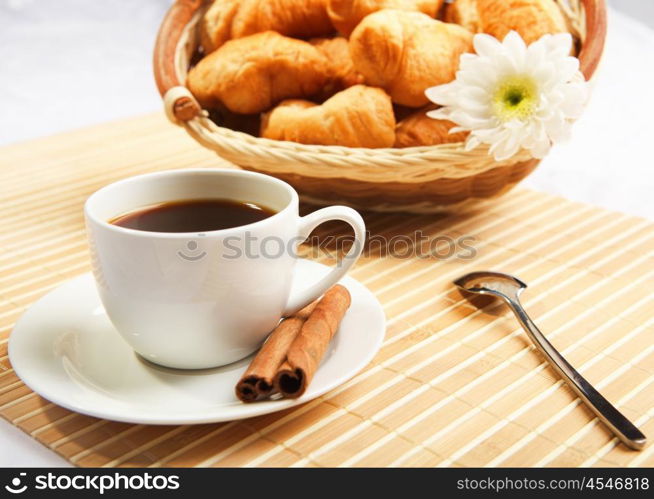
column 509, row 288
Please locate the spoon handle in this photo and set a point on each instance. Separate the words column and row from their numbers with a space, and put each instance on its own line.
column 605, row 411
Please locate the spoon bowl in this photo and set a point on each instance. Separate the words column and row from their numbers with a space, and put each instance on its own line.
column 491, row 283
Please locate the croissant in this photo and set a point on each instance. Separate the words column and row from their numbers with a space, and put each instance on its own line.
column 341, row 69
column 530, row 18
column 418, row 129
column 407, row 52
column 251, row 74
column 228, row 19
column 359, row 116
column 463, row 12
column 346, row 14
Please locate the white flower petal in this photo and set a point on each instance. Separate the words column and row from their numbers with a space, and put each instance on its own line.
column 474, row 107
column 442, row 94
column 545, row 74
column 500, row 151
column 558, row 45
column 567, row 68
column 474, row 92
column 536, row 53
column 487, row 135
column 540, row 148
column 467, row 120
column 486, row 45
column 574, row 100
column 472, row 143
column 515, row 49
column 439, row 114
column 557, row 128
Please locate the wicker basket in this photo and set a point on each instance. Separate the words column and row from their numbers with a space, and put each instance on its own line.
column 417, row 179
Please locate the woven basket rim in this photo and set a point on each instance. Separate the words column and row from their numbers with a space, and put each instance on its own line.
column 417, row 151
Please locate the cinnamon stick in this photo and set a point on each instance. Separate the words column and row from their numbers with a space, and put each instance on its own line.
column 309, row 346
column 257, row 382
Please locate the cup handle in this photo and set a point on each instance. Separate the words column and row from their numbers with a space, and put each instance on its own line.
column 310, row 222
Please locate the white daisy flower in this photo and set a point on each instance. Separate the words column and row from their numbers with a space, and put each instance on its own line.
column 511, row 96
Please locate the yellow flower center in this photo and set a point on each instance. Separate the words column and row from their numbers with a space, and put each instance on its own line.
column 516, row 97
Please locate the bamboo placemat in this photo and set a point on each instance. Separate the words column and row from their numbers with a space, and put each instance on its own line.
column 451, row 386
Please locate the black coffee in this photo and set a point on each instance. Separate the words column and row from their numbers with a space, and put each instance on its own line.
column 193, row 215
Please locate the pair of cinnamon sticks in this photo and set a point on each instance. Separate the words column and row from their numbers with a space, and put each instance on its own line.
column 291, row 355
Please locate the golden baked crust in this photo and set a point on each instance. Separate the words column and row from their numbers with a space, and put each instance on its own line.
column 229, row 19
column 463, row 12
column 342, row 74
column 251, row 74
column 530, row 18
column 407, row 52
column 418, row 129
column 359, row 116
column 346, row 14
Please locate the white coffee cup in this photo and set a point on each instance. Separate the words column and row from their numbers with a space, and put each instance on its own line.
column 200, row 300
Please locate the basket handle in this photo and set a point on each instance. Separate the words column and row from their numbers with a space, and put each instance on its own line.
column 591, row 52
column 178, row 16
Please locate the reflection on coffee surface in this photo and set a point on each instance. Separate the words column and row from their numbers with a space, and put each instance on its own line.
column 193, row 215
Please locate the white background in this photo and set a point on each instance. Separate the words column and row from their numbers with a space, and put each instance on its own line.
column 69, row 63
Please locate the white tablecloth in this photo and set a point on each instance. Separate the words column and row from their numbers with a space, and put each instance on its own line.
column 50, row 82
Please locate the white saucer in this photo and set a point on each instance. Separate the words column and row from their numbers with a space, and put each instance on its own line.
column 66, row 350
